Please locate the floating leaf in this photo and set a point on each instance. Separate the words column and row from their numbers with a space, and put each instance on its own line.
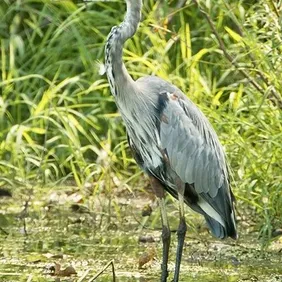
column 68, row 271
column 146, row 239
column 34, row 258
column 147, row 210
column 147, row 256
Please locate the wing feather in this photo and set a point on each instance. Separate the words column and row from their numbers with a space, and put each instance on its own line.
column 196, row 156
column 192, row 153
column 192, row 156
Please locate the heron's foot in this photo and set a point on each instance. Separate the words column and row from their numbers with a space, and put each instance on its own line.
column 181, row 232
column 164, row 274
column 166, row 243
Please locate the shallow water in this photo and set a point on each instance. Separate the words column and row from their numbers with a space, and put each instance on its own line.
column 88, row 240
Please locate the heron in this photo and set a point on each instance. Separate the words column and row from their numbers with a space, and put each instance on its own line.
column 172, row 141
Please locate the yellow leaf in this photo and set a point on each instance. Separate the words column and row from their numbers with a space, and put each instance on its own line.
column 233, row 34
column 37, row 130
column 75, row 122
column 185, row 42
column 237, row 97
column 198, row 56
column 28, row 138
column 215, row 100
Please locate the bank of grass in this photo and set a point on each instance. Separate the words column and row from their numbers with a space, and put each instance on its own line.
column 58, row 121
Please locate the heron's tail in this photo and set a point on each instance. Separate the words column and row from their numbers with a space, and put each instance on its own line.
column 220, row 231
column 221, row 222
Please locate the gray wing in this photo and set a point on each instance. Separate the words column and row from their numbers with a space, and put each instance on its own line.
column 192, row 147
column 196, row 156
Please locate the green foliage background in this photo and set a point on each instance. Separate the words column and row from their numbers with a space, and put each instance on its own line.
column 58, row 121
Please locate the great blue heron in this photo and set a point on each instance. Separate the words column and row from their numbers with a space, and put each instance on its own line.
column 172, row 141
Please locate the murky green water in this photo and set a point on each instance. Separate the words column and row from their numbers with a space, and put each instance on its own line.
column 87, row 241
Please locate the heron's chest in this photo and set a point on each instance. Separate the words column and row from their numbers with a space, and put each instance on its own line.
column 143, row 134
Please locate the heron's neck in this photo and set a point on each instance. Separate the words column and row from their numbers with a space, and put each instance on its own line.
column 116, row 72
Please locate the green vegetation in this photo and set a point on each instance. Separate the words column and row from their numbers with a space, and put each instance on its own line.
column 59, row 125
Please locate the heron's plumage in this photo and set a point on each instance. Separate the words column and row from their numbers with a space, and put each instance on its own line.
column 172, row 141
column 192, row 152
column 170, row 137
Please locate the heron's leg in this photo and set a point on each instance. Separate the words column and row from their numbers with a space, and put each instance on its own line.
column 181, row 236
column 165, row 239
column 159, row 192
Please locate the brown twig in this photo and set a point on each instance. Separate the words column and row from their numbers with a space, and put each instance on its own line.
column 4, row 231
column 178, row 6
column 103, row 270
column 83, row 276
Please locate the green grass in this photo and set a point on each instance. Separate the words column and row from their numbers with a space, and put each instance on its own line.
column 58, row 121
